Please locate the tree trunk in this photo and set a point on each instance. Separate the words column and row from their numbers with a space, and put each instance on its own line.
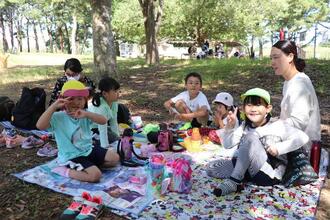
column 19, row 35
column 73, row 35
column 27, row 36
column 252, row 48
column 103, row 40
column 36, row 37
column 67, row 39
column 11, row 30
column 261, row 51
column 4, row 40
column 151, row 28
column 50, row 35
column 60, row 35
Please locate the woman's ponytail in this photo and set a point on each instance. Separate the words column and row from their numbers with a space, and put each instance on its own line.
column 300, row 64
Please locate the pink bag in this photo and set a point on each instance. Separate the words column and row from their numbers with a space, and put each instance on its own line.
column 165, row 141
column 181, row 176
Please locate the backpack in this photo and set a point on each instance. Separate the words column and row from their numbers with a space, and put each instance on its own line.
column 6, row 108
column 164, row 140
column 125, row 150
column 123, row 114
column 29, row 108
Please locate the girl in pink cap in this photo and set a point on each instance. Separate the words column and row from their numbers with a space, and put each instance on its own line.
column 77, row 158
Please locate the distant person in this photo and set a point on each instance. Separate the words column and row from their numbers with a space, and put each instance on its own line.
column 219, row 51
column 299, row 106
column 206, row 44
column 72, row 71
column 77, row 157
column 190, row 105
column 105, row 103
column 192, row 50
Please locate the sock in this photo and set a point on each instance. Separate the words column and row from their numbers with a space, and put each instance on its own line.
column 62, row 171
column 226, row 187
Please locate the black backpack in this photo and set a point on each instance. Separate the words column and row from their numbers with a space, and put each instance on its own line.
column 6, row 108
column 123, row 115
column 29, row 108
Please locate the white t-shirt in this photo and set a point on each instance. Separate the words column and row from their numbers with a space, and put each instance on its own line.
column 300, row 107
column 193, row 104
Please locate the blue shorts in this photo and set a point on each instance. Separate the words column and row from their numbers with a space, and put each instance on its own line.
column 95, row 158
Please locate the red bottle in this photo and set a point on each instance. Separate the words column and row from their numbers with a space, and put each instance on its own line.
column 315, row 155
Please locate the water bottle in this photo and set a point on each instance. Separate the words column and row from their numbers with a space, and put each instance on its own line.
column 315, row 155
column 324, row 163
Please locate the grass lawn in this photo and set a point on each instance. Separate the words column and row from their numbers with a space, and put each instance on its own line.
column 144, row 89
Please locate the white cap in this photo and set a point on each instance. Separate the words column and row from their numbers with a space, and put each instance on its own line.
column 224, row 98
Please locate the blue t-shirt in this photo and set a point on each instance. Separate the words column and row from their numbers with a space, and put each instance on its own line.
column 73, row 136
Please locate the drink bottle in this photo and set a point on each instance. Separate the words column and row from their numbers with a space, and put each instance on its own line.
column 315, row 155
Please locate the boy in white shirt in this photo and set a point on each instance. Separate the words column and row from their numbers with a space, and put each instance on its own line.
column 190, row 105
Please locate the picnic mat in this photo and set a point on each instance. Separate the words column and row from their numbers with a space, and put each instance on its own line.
column 253, row 202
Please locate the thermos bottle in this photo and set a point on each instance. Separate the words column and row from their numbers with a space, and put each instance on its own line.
column 315, row 155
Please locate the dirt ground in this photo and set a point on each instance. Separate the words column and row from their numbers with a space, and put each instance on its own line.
column 144, row 91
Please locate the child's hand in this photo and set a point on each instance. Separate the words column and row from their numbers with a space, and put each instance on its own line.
column 181, row 117
column 60, row 103
column 231, row 122
column 78, row 114
column 272, row 151
column 172, row 111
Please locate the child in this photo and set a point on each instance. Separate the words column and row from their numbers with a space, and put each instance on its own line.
column 72, row 71
column 72, row 129
column 262, row 145
column 105, row 103
column 191, row 105
column 224, row 103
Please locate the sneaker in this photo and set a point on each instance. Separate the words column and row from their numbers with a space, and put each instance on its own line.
column 91, row 209
column 75, row 207
column 31, row 142
column 47, row 151
column 13, row 139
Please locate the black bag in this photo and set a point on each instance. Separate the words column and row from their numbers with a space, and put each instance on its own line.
column 299, row 170
column 29, row 108
column 6, row 108
column 123, row 115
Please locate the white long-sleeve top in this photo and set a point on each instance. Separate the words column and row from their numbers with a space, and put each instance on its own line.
column 300, row 107
column 287, row 138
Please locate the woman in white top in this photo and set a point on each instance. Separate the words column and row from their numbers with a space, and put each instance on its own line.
column 299, row 106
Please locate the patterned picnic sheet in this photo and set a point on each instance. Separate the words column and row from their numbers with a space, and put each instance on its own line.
column 254, row 202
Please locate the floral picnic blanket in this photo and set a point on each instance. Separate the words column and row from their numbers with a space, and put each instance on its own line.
column 254, row 202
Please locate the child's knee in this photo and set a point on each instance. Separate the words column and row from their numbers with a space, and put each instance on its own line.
column 112, row 157
column 95, row 176
column 179, row 104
